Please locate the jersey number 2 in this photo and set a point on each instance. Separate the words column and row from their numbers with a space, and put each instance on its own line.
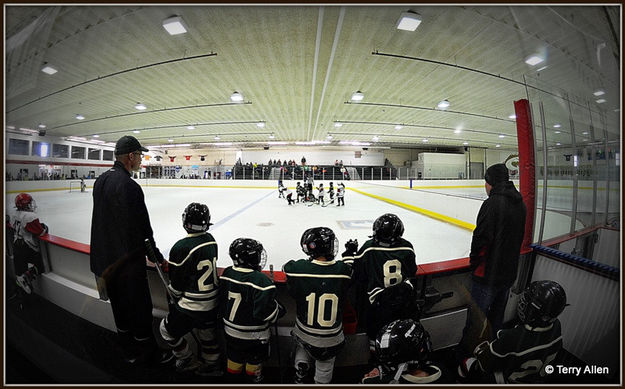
column 201, row 286
column 323, row 299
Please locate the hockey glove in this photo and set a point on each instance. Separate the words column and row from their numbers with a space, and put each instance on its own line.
column 45, row 228
column 351, row 248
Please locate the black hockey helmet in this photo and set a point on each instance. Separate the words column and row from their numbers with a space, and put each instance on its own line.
column 320, row 242
column 403, row 341
column 387, row 229
column 541, row 303
column 196, row 218
column 248, row 253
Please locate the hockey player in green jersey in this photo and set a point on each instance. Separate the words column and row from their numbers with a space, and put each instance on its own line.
column 318, row 285
column 382, row 270
column 249, row 307
column 194, row 284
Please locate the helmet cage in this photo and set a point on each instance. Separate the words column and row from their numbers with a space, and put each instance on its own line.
column 196, row 218
column 387, row 228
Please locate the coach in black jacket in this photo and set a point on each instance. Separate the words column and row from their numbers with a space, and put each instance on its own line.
column 119, row 226
column 496, row 244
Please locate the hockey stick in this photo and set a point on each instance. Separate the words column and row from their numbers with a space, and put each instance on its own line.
column 170, row 296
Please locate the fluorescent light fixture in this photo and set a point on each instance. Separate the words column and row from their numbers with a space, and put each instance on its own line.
column 217, row 137
column 136, row 132
column 425, row 141
column 443, row 104
column 408, row 21
column 585, row 133
column 310, row 143
column 76, row 138
column 260, row 124
column 558, row 144
column 465, row 143
column 41, row 125
column 236, row 97
column 271, row 136
column 399, row 127
column 575, row 162
column 140, row 107
column 541, row 68
column 170, row 140
column 43, row 151
column 513, row 116
column 497, row 145
column 323, row 142
column 354, row 143
column 79, row 117
column 534, row 60
column 99, row 142
column 557, row 125
column 223, row 144
column 338, row 124
column 10, row 127
column 601, row 101
column 584, row 140
column 96, row 136
column 599, row 92
column 329, row 136
column 48, row 69
column 502, row 136
column 457, row 131
column 375, row 138
column 358, row 96
column 557, row 132
column 175, row 25
column 190, row 127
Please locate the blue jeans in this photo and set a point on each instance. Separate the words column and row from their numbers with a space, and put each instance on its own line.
column 492, row 301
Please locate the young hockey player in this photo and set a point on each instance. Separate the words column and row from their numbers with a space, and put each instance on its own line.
column 402, row 348
column 301, row 191
column 193, row 283
column 382, row 270
column 289, row 196
column 331, row 192
column 26, row 228
column 83, row 186
column 321, row 195
column 281, row 189
column 519, row 355
column 249, row 307
column 340, row 194
column 318, row 286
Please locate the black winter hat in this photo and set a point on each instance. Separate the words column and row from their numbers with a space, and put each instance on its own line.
column 496, row 174
column 128, row 144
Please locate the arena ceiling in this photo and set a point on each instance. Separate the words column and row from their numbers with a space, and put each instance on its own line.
column 297, row 68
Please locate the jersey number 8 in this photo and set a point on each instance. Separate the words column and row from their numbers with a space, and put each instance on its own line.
column 392, row 272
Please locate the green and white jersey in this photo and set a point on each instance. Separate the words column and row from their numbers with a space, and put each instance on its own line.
column 193, row 272
column 248, row 301
column 380, row 267
column 318, row 288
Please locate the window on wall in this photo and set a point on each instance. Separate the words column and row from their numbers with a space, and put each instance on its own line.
column 107, row 155
column 78, row 152
column 18, row 147
column 41, row 149
column 93, row 154
column 60, row 151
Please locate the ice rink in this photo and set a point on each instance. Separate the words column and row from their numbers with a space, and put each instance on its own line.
column 258, row 213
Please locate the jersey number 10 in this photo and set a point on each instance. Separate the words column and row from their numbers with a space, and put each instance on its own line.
column 311, row 299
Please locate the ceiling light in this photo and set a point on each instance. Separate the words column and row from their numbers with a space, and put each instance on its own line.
column 557, row 132
column 48, row 69
column 599, row 92
column 329, row 136
column 502, row 136
column 497, row 145
column 542, row 68
column 534, row 60
column 236, row 97
column 585, row 133
column 557, row 125
column 96, row 136
column 141, row 107
column 190, row 127
column 399, row 127
column 271, row 136
column 79, row 117
column 170, row 140
column 338, row 124
column 443, row 104
column 41, row 125
column 217, row 137
column 465, row 143
column 358, row 96
column 408, row 21
column 375, row 138
column 458, row 131
column 600, row 101
column 585, row 140
column 136, row 132
column 513, row 116
column 260, row 124
column 175, row 25
column 10, row 127
column 425, row 141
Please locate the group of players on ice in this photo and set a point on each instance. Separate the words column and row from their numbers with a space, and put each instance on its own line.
column 305, row 193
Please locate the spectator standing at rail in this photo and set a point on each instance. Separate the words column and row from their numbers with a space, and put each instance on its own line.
column 119, row 226
column 495, row 247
